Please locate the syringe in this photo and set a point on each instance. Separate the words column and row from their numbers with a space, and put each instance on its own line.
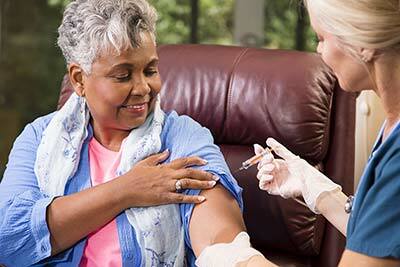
column 253, row 160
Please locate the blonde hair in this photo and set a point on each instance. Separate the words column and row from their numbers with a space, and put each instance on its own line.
column 370, row 24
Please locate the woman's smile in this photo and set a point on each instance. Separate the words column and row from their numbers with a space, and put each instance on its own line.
column 122, row 88
column 138, row 109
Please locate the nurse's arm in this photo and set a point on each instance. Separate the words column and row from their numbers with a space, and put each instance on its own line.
column 218, row 220
column 331, row 205
column 351, row 258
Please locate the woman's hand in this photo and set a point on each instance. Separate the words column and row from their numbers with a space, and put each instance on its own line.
column 291, row 176
column 150, row 183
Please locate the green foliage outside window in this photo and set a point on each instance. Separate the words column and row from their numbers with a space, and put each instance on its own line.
column 173, row 26
column 280, row 25
column 216, row 22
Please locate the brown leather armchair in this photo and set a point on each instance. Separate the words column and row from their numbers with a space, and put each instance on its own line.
column 244, row 95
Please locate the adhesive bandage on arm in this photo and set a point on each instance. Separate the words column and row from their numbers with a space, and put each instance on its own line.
column 227, row 254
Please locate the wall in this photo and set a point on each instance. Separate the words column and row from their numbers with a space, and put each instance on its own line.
column 369, row 119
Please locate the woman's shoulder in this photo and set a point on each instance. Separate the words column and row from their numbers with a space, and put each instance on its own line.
column 179, row 130
column 40, row 123
column 33, row 130
column 180, row 124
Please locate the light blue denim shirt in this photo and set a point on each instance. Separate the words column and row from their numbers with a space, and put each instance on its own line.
column 24, row 234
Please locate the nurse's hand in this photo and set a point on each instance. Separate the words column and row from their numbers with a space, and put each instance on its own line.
column 278, row 176
column 291, row 176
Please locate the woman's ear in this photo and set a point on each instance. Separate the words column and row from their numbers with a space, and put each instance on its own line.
column 367, row 54
column 76, row 77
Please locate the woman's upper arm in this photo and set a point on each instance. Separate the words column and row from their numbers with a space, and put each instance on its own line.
column 217, row 220
column 351, row 258
column 19, row 175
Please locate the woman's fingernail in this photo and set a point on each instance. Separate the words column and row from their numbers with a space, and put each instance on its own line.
column 204, row 161
column 166, row 151
column 212, row 183
column 215, row 177
column 201, row 198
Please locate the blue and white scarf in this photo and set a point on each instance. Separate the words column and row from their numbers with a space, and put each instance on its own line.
column 158, row 229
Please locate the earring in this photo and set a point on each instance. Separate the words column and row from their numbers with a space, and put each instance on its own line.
column 365, row 58
column 367, row 55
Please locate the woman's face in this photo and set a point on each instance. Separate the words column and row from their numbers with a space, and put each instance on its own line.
column 351, row 73
column 121, row 90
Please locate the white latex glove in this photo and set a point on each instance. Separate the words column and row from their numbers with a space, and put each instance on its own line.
column 227, row 254
column 292, row 176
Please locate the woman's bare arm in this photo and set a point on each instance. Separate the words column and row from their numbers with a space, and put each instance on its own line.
column 218, row 220
column 71, row 218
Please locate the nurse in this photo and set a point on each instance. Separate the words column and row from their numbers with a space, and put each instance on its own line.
column 360, row 42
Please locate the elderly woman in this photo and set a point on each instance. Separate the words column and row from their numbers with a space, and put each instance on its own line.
column 360, row 41
column 88, row 186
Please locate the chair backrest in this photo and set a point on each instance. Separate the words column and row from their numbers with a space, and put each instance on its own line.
column 244, row 95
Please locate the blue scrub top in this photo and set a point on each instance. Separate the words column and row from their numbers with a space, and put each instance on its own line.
column 374, row 224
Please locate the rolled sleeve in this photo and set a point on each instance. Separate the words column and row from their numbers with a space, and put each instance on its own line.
column 24, row 234
column 201, row 144
column 25, row 238
column 40, row 229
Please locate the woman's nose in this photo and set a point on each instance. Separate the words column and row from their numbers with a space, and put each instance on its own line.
column 140, row 87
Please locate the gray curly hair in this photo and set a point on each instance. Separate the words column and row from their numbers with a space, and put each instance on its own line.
column 92, row 27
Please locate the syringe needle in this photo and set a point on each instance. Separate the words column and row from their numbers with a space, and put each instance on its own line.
column 253, row 160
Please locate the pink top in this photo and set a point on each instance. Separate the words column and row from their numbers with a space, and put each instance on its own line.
column 102, row 247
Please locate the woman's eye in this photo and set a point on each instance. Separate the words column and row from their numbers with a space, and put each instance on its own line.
column 122, row 77
column 150, row 72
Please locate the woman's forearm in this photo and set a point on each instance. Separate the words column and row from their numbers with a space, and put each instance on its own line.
column 71, row 218
column 331, row 206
